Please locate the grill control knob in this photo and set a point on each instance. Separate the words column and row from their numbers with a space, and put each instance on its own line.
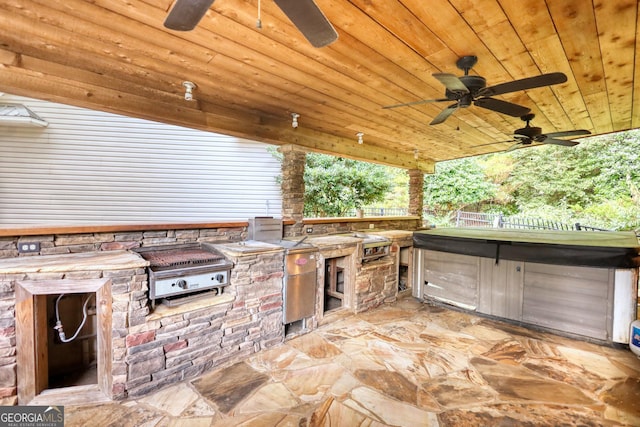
column 182, row 283
column 219, row 278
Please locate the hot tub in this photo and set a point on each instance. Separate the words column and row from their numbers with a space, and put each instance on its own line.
column 582, row 283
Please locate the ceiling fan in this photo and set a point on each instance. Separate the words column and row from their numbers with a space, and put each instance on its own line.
column 466, row 90
column 304, row 14
column 530, row 134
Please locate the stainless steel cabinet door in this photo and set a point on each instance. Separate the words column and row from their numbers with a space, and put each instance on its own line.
column 299, row 296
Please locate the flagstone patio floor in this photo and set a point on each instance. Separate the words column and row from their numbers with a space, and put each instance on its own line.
column 403, row 364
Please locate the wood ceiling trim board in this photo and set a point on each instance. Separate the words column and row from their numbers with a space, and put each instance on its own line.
column 567, row 94
column 436, row 110
column 400, row 31
column 575, row 23
column 249, row 38
column 599, row 112
column 380, row 12
column 250, row 80
column 354, row 67
column 531, row 20
column 56, row 90
column 273, row 95
column 356, row 102
column 399, row 21
column 63, row 71
column 443, row 19
column 351, row 149
column 111, row 73
column 582, row 48
column 616, row 23
column 536, row 30
column 249, row 86
column 480, row 17
column 506, row 46
column 101, row 80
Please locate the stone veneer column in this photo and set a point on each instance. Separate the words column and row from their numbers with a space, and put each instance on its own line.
column 292, row 186
column 416, row 192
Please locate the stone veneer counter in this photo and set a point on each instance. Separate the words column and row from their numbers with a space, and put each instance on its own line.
column 392, row 234
column 106, row 260
column 248, row 247
column 333, row 240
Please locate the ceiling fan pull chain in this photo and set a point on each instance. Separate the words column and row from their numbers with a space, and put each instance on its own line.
column 259, row 21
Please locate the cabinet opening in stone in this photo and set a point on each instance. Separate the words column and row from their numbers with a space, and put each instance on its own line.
column 71, row 339
column 46, row 362
column 404, row 269
column 334, row 283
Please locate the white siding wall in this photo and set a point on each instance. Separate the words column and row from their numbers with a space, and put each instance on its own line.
column 90, row 167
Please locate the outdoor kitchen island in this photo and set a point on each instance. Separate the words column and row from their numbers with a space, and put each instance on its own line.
column 579, row 283
column 134, row 341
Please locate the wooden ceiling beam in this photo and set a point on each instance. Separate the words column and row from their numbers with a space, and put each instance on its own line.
column 26, row 82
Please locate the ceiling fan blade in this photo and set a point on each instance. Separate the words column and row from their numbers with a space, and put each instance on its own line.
column 524, row 84
column 493, row 143
column 517, row 145
column 451, row 82
column 310, row 20
column 185, row 14
column 503, row 107
column 444, row 114
column 564, row 142
column 424, row 101
column 578, row 132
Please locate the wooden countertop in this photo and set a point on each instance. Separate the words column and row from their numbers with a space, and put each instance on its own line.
column 105, row 260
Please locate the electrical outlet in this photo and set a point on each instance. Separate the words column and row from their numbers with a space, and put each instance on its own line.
column 371, row 226
column 28, row 247
column 309, row 230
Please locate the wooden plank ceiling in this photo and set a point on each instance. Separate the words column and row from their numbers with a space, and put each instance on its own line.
column 116, row 55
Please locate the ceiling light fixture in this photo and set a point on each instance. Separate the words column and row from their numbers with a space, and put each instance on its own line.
column 360, row 135
column 188, row 90
column 294, row 120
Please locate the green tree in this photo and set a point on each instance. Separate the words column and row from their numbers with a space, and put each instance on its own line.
column 334, row 186
column 457, row 184
column 595, row 183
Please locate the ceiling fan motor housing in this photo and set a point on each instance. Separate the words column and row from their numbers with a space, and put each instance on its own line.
column 529, row 131
column 473, row 83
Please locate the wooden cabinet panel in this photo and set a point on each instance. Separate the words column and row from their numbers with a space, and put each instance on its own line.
column 451, row 277
column 500, row 288
column 572, row 299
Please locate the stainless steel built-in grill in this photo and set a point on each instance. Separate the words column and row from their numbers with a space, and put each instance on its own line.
column 373, row 246
column 180, row 271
